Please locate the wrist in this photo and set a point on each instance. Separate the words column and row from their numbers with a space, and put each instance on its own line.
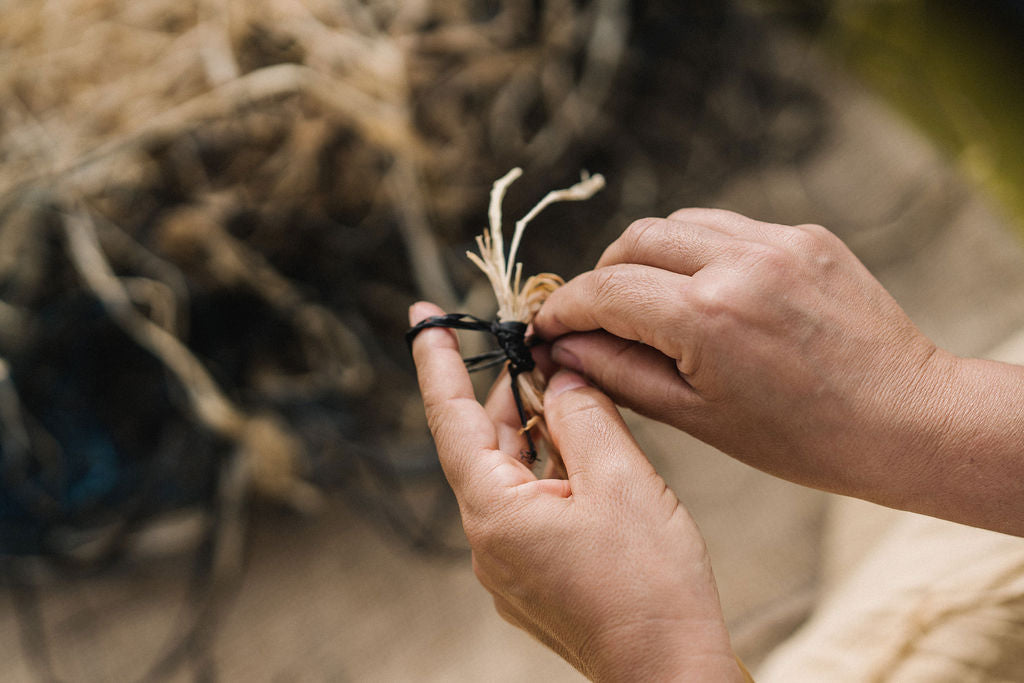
column 965, row 458
column 710, row 667
column 689, row 652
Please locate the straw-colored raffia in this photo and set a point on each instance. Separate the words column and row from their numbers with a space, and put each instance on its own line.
column 517, row 300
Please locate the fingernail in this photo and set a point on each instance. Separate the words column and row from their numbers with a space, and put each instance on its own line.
column 414, row 315
column 565, row 380
column 566, row 358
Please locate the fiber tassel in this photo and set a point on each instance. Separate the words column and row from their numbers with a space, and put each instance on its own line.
column 518, row 302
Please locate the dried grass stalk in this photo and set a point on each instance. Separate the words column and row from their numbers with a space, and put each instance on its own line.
column 270, row 455
column 519, row 301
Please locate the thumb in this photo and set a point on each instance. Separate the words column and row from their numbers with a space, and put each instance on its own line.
column 598, row 449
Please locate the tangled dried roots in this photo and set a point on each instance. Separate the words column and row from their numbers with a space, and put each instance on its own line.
column 216, row 213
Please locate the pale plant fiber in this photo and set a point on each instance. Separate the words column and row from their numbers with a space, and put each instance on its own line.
column 519, row 301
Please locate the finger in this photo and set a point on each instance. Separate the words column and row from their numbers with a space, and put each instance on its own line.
column 541, row 354
column 467, row 443
column 599, row 451
column 633, row 302
column 542, row 357
column 634, row 375
column 501, row 409
column 679, row 247
column 734, row 224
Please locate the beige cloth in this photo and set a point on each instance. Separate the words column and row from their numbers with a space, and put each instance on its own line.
column 933, row 601
column 910, row 598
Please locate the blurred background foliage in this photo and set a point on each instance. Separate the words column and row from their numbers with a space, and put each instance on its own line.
column 955, row 69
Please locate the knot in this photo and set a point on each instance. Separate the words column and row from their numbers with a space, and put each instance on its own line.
column 511, row 338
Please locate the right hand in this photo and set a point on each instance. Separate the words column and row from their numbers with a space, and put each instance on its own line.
column 772, row 343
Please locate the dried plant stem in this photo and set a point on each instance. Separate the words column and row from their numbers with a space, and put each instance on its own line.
column 380, row 122
column 163, row 274
column 421, row 244
column 336, row 352
column 516, row 302
column 585, row 189
column 207, row 401
column 581, row 106
column 271, row 455
column 14, row 436
column 218, row 57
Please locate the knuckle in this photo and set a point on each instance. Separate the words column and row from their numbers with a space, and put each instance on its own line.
column 622, row 287
column 815, row 244
column 638, row 232
column 815, row 229
column 806, row 241
column 725, row 216
column 679, row 215
column 769, row 263
column 433, row 406
column 609, row 284
column 579, row 409
column 719, row 308
column 718, row 216
column 709, row 299
column 810, row 236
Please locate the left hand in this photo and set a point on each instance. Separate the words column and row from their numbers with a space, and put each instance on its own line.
column 606, row 568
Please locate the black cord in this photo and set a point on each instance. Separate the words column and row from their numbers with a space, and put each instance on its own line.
column 513, row 348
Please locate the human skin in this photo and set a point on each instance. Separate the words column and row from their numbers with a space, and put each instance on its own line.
column 775, row 344
column 605, row 567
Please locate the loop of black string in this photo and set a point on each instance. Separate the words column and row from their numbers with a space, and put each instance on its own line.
column 512, row 348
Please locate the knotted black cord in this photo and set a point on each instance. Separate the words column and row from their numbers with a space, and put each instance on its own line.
column 511, row 336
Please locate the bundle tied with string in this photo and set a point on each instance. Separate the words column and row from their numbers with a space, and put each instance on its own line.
column 518, row 303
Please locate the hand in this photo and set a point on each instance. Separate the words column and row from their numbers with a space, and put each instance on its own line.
column 606, row 568
column 775, row 344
